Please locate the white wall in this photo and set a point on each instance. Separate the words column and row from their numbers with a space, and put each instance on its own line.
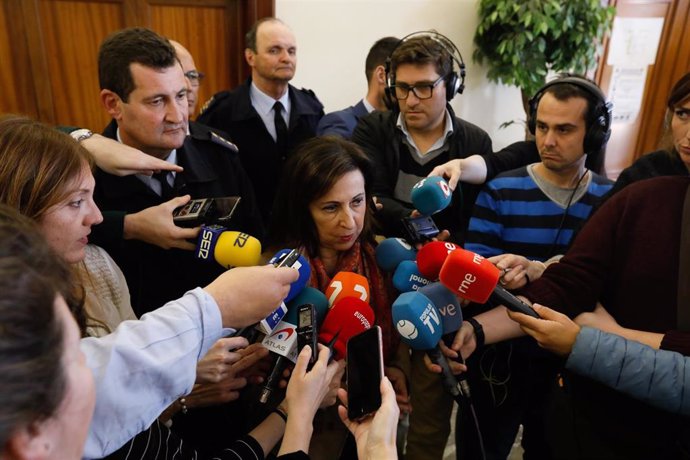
column 334, row 36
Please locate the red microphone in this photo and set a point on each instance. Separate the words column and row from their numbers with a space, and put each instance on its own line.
column 348, row 317
column 431, row 256
column 473, row 277
column 347, row 284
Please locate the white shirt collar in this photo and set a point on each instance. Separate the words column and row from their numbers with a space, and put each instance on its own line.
column 447, row 131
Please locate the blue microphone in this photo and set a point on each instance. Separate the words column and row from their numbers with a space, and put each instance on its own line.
column 447, row 305
column 418, row 322
column 308, row 295
column 301, row 265
column 407, row 277
column 431, row 195
column 391, row 251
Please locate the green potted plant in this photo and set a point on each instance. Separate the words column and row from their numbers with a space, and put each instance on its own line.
column 521, row 41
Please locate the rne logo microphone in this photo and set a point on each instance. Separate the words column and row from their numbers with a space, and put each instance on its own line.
column 466, row 283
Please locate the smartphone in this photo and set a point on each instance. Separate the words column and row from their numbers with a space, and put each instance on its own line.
column 364, row 373
column 306, row 330
column 419, row 229
column 208, row 211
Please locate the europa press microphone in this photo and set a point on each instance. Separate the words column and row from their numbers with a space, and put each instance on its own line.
column 283, row 339
column 348, row 317
column 228, row 248
column 472, row 277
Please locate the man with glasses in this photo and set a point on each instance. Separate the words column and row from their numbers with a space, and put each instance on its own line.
column 422, row 132
column 193, row 76
column 406, row 144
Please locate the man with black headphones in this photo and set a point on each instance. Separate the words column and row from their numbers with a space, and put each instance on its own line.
column 533, row 211
column 419, row 132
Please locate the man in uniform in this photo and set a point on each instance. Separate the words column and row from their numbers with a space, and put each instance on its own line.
column 266, row 117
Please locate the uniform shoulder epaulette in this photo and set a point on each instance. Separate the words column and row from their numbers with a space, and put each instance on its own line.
column 220, row 140
column 213, row 100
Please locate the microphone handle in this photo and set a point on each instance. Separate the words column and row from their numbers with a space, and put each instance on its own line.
column 447, row 378
column 272, row 380
column 462, row 378
column 503, row 297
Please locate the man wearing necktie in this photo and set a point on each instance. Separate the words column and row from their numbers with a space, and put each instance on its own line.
column 266, row 116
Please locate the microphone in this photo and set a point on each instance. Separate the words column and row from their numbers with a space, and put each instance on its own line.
column 391, row 251
column 284, row 340
column 228, row 248
column 347, row 284
column 451, row 317
column 348, row 317
column 473, row 277
column 431, row 256
column 407, row 277
column 419, row 324
column 431, row 195
column 299, row 263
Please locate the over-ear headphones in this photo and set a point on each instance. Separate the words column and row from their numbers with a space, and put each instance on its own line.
column 598, row 119
column 454, row 81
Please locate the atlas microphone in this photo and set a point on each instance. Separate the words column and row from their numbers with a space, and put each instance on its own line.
column 472, row 277
column 283, row 340
column 228, row 248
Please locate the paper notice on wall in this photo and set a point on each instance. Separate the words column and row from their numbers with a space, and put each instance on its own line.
column 634, row 41
column 626, row 91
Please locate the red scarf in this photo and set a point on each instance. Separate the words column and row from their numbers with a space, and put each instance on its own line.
column 361, row 259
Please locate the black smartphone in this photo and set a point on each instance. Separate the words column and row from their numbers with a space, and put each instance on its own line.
column 419, row 229
column 306, row 330
column 364, row 373
column 208, row 211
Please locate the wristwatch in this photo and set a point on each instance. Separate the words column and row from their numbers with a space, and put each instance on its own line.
column 478, row 332
column 81, row 134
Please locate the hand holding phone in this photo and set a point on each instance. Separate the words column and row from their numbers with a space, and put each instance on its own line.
column 364, row 373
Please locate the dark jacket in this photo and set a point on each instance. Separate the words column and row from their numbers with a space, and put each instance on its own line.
column 156, row 275
column 342, row 122
column 233, row 113
column 383, row 142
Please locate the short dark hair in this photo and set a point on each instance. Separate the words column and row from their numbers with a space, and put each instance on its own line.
column 309, row 175
column 32, row 378
column 422, row 50
column 565, row 91
column 379, row 52
column 125, row 47
column 250, row 37
column 678, row 95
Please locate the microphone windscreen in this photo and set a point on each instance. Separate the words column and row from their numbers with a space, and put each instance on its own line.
column 236, row 249
column 407, row 277
column 308, row 295
column 469, row 275
column 431, row 256
column 347, row 284
column 447, row 305
column 431, row 195
column 417, row 320
column 301, row 265
column 391, row 251
column 348, row 317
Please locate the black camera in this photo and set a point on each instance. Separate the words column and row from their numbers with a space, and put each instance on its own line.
column 207, row 211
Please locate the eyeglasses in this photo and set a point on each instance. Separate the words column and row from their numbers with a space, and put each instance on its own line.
column 194, row 77
column 420, row 90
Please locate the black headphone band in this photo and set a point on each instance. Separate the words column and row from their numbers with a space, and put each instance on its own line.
column 598, row 117
column 455, row 81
